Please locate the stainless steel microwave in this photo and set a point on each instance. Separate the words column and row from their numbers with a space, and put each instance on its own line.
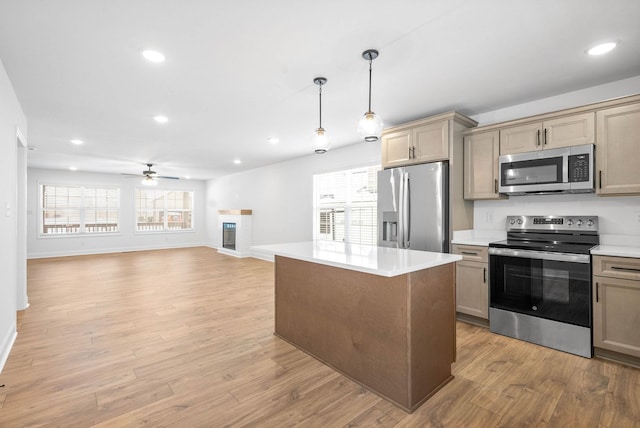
column 563, row 170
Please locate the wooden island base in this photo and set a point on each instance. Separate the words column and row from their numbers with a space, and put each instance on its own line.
column 393, row 335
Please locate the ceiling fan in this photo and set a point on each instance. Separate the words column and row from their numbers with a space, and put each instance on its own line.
column 150, row 178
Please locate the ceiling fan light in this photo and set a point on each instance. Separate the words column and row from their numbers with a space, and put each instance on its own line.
column 149, row 181
column 370, row 127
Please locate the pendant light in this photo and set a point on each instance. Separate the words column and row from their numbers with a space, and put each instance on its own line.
column 370, row 126
column 320, row 139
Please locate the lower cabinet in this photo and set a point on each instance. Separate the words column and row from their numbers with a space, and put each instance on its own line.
column 472, row 286
column 616, row 304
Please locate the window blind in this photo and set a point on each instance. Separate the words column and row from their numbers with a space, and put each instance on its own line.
column 345, row 205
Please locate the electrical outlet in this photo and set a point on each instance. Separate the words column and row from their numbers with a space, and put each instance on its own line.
column 489, row 217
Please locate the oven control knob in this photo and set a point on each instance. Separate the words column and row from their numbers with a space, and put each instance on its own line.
column 579, row 222
column 512, row 222
column 519, row 221
column 569, row 222
column 589, row 222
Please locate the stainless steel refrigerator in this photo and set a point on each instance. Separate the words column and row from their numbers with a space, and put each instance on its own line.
column 413, row 207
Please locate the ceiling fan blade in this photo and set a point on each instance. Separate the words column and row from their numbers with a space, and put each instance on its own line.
column 166, row 177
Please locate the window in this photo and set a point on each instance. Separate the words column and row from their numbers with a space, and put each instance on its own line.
column 162, row 210
column 345, row 206
column 74, row 210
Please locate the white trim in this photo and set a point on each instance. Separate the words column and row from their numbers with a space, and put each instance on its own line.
column 263, row 255
column 5, row 349
column 114, row 250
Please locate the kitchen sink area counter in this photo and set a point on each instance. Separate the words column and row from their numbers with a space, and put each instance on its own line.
column 383, row 317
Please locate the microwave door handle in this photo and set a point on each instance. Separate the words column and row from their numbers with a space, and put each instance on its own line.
column 565, row 169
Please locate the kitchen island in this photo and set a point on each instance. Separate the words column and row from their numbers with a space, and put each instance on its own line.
column 383, row 317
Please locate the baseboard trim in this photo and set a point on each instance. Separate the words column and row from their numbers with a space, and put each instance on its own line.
column 89, row 252
column 6, row 347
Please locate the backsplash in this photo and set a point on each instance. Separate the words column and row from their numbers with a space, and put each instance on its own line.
column 618, row 216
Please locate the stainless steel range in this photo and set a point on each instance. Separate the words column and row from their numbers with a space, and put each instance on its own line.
column 540, row 281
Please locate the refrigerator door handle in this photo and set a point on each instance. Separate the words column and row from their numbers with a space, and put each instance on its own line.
column 401, row 223
column 407, row 211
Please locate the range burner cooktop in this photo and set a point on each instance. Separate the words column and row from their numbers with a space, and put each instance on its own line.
column 557, row 234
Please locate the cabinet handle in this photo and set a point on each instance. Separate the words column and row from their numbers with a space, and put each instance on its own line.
column 624, row 268
column 485, row 275
column 495, row 185
column 600, row 178
column 413, row 151
column 597, row 292
column 545, row 136
column 538, row 137
column 469, row 253
column 409, row 152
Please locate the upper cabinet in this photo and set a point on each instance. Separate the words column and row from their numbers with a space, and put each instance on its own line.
column 481, row 151
column 618, row 151
column 549, row 134
column 422, row 141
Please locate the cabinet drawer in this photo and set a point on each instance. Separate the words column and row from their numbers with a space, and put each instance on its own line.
column 472, row 253
column 616, row 267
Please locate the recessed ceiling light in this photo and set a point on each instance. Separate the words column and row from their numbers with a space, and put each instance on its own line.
column 188, row 177
column 31, row 148
column 237, row 161
column 77, row 142
column 601, row 48
column 161, row 119
column 73, row 168
column 153, row 56
column 273, row 140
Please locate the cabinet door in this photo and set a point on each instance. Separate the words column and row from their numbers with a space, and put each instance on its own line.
column 396, row 149
column 481, row 173
column 472, row 291
column 569, row 131
column 616, row 315
column 522, row 138
column 618, row 150
column 431, row 142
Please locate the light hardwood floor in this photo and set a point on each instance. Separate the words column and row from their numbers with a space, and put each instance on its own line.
column 184, row 338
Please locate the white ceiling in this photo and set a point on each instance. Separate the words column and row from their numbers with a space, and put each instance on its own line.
column 239, row 72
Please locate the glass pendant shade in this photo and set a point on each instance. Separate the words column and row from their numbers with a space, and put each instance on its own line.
column 320, row 141
column 370, row 127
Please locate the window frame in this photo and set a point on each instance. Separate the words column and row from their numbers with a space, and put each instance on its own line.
column 82, row 211
column 165, row 211
column 347, row 207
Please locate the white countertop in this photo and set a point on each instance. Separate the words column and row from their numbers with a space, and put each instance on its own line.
column 618, row 245
column 614, row 250
column 478, row 237
column 362, row 258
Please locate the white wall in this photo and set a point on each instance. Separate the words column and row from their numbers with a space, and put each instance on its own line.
column 11, row 119
column 619, row 216
column 281, row 195
column 127, row 239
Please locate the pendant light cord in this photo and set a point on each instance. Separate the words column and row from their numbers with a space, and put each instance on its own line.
column 320, row 97
column 370, row 60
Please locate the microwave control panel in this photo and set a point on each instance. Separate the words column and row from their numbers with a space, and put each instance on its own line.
column 579, row 168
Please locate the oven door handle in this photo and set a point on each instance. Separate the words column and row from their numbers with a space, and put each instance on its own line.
column 540, row 255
